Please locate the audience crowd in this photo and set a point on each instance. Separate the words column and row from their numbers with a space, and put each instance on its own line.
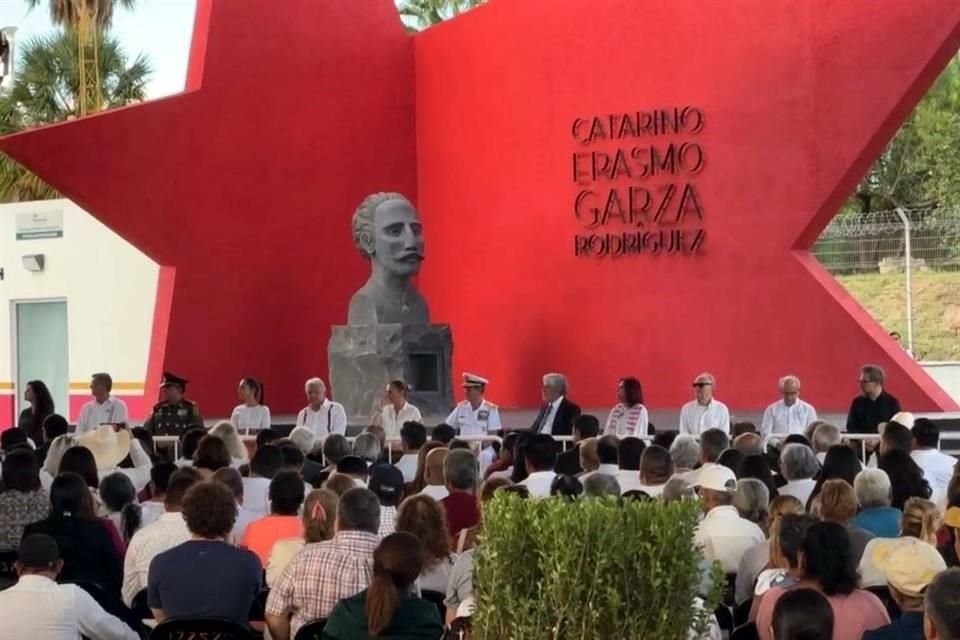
column 374, row 537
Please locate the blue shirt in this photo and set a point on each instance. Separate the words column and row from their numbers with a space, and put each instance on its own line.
column 908, row 627
column 204, row 579
column 883, row 522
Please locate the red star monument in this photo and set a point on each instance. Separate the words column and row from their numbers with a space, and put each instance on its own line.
column 243, row 186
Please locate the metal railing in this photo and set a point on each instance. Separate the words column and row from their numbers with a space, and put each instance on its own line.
column 174, row 441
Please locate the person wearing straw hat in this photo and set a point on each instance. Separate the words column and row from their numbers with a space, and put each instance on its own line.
column 475, row 416
column 910, row 565
column 174, row 414
column 110, row 446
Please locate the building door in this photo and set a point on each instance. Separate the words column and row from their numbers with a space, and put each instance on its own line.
column 42, row 350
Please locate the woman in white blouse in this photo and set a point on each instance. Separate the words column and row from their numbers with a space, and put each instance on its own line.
column 252, row 414
column 629, row 417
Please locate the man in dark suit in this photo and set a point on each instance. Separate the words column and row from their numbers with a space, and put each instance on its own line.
column 558, row 413
column 585, row 426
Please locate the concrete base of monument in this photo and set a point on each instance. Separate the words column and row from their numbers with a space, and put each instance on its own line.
column 363, row 359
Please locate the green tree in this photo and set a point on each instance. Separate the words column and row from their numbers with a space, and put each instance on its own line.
column 47, row 90
column 920, row 167
column 88, row 19
column 427, row 12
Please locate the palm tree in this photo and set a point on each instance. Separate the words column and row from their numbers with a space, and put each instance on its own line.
column 428, row 12
column 47, row 90
column 88, row 18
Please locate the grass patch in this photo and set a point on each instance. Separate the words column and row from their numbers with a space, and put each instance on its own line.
column 936, row 308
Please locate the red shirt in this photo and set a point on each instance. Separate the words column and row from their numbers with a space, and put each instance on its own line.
column 462, row 511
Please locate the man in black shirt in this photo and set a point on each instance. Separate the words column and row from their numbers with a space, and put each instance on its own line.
column 874, row 405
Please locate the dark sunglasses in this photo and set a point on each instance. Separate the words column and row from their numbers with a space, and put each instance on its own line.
column 702, row 384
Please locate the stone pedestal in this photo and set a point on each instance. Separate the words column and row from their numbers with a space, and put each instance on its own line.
column 364, row 358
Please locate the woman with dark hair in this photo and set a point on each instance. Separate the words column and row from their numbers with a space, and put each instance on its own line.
column 251, row 414
column 840, row 463
column 519, row 472
column 22, row 500
column 756, row 466
column 906, row 478
column 567, row 486
column 827, row 565
column 802, row 614
column 387, row 609
column 80, row 460
column 629, row 417
column 211, row 456
column 502, row 467
column 423, row 517
column 85, row 544
column 54, row 426
column 41, row 405
column 119, row 498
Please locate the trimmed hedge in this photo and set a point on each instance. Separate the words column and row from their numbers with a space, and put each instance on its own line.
column 592, row 568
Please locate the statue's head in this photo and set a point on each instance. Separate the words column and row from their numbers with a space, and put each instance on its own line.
column 386, row 230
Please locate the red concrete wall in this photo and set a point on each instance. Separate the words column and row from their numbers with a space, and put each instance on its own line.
column 243, row 187
column 798, row 98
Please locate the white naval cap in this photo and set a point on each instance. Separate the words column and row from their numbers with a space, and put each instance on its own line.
column 473, row 380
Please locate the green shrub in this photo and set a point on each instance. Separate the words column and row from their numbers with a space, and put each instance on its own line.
column 593, row 568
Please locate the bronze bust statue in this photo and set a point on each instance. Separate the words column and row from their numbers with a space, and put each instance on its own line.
column 388, row 233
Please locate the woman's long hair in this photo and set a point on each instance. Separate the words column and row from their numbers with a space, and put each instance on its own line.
column 841, row 463
column 397, row 563
column 70, row 497
column 423, row 517
column 42, row 404
column 632, row 391
column 319, row 514
column 906, row 478
column 80, row 460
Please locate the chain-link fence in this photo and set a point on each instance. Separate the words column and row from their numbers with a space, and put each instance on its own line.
column 916, row 299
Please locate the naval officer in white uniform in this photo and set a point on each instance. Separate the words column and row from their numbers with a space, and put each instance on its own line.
column 475, row 416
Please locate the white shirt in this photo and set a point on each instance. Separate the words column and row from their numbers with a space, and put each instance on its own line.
column 475, row 422
column 407, row 464
column 937, row 467
column 538, row 483
column 799, row 489
column 609, row 469
column 139, row 474
column 152, row 511
column 626, row 421
column 256, row 497
column 247, row 419
column 329, row 418
column 725, row 536
column 391, row 420
column 436, row 491
column 696, row 418
column 780, row 419
column 37, row 608
column 93, row 414
column 547, row 424
column 166, row 533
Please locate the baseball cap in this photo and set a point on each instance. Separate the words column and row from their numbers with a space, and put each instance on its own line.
column 908, row 563
column 716, row 477
column 386, row 481
column 38, row 551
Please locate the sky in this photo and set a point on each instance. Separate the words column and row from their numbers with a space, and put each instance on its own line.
column 159, row 28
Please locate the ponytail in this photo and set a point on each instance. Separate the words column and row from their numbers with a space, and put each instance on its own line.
column 131, row 517
column 382, row 601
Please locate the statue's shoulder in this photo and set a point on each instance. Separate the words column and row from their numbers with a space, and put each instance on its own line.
column 363, row 306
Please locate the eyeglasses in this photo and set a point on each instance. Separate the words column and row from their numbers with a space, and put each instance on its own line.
column 862, row 381
column 702, row 384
